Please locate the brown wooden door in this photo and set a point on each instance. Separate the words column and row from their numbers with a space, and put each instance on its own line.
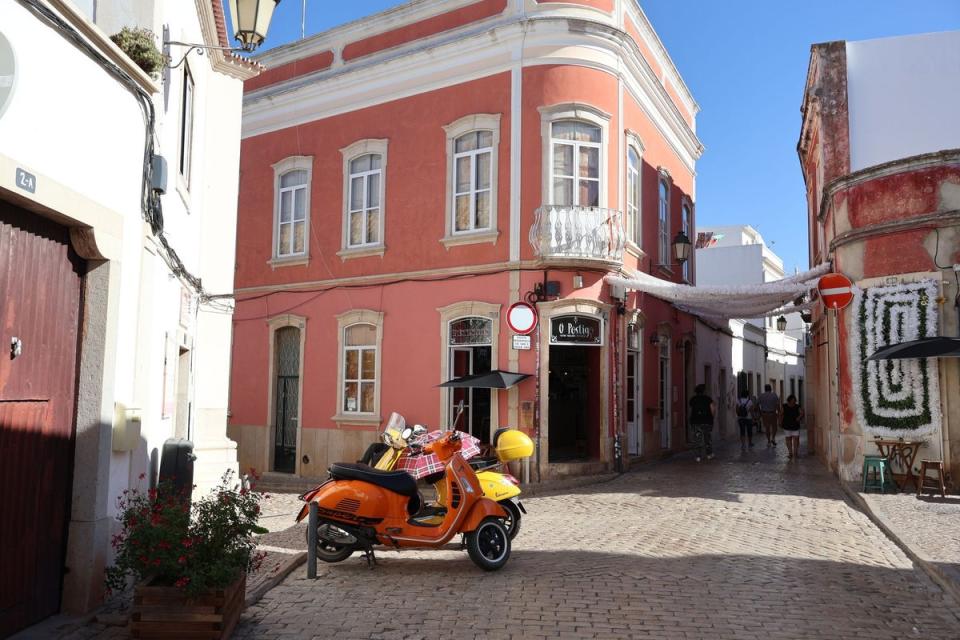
column 40, row 285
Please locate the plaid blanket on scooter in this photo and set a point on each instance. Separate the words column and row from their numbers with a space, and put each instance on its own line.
column 422, row 465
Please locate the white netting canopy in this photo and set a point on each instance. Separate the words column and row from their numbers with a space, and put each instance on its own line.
column 734, row 301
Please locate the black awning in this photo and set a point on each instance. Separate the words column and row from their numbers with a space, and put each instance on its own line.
column 935, row 347
column 495, row 379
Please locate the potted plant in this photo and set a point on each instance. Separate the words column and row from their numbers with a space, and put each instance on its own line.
column 140, row 46
column 190, row 568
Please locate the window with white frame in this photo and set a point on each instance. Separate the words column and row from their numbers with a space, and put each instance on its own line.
column 685, row 225
column 664, row 221
column 575, row 163
column 472, row 180
column 633, row 195
column 291, row 208
column 186, row 124
column 364, row 178
column 291, row 233
column 363, row 216
column 359, row 369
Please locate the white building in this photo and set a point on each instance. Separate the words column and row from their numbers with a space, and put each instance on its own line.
column 114, row 347
column 732, row 358
column 737, row 255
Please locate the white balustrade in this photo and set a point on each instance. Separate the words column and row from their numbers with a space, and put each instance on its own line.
column 585, row 233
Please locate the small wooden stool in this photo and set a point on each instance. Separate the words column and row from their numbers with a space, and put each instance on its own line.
column 931, row 484
column 877, row 474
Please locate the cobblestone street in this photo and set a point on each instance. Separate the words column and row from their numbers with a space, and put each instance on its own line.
column 744, row 546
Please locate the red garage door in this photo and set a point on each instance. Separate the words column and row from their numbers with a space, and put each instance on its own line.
column 40, row 284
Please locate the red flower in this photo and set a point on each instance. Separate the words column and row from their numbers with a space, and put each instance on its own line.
column 187, row 542
column 156, row 562
column 182, row 582
column 182, row 560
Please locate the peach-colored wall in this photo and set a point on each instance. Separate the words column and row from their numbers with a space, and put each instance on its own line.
column 431, row 26
column 556, row 84
column 303, row 66
column 415, row 187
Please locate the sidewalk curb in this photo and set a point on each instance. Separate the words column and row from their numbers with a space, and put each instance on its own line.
column 286, row 569
column 946, row 583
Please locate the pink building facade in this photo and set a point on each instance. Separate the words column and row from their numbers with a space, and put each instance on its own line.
column 408, row 177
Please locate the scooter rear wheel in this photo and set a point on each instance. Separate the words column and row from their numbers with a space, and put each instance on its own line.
column 328, row 549
column 489, row 545
column 512, row 521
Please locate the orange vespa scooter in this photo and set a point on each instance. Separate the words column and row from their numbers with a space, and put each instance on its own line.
column 361, row 507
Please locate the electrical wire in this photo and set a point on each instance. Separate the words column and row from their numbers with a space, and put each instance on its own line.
column 150, row 203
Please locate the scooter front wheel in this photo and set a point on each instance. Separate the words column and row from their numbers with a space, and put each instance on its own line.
column 333, row 544
column 489, row 545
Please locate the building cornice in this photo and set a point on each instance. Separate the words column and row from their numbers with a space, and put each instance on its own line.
column 663, row 58
column 222, row 61
column 464, row 55
column 901, row 165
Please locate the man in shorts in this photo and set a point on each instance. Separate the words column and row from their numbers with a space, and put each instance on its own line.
column 769, row 404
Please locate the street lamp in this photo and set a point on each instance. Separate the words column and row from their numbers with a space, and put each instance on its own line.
column 781, row 324
column 251, row 19
column 681, row 247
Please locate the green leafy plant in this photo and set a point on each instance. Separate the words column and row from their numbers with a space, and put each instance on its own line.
column 161, row 542
column 140, row 45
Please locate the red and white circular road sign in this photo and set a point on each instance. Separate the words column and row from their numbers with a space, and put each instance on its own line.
column 836, row 290
column 522, row 318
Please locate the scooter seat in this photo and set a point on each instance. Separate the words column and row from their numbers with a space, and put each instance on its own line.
column 397, row 481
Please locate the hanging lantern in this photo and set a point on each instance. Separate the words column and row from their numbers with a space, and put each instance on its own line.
column 781, row 324
column 251, row 19
column 681, row 247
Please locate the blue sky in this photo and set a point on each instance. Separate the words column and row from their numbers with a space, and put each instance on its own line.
column 745, row 62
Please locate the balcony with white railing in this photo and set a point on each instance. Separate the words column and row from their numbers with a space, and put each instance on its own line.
column 569, row 234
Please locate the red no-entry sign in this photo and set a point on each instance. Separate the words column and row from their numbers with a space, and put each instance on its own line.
column 836, row 290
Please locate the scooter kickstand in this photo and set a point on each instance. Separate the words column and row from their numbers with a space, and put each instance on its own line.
column 371, row 558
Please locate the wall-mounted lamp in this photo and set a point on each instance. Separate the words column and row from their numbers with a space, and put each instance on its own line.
column 681, row 247
column 250, row 19
column 578, row 281
column 781, row 324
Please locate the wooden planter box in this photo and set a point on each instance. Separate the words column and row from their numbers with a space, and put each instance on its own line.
column 166, row 612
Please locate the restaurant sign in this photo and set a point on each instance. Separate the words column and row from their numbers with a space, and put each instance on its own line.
column 577, row 330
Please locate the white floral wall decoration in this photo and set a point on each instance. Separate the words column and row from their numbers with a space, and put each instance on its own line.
column 895, row 398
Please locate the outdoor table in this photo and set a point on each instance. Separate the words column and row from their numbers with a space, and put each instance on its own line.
column 900, row 453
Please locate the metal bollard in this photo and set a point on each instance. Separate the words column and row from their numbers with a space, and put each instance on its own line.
column 313, row 520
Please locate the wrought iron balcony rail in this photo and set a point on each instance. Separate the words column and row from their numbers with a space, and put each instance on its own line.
column 564, row 232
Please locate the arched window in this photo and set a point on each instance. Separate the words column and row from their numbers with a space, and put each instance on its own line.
column 664, row 221
column 575, row 163
column 685, row 222
column 291, row 223
column 472, row 180
column 633, row 195
column 359, row 369
column 363, row 216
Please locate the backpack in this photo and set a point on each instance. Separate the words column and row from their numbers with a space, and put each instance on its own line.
column 742, row 409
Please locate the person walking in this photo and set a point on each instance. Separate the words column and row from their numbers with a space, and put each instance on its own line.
column 745, row 420
column 790, row 419
column 701, row 418
column 769, row 413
